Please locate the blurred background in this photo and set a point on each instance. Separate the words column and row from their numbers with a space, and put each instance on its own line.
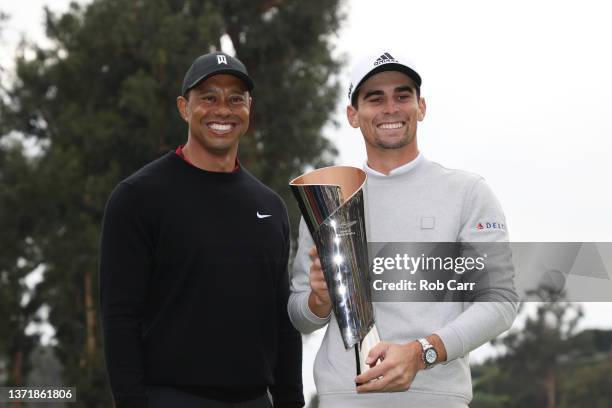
column 518, row 92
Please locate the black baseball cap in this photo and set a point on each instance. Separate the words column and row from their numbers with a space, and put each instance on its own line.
column 215, row 63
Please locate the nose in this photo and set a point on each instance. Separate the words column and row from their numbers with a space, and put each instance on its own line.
column 222, row 108
column 390, row 106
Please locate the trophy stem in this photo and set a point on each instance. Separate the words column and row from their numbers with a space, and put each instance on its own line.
column 363, row 348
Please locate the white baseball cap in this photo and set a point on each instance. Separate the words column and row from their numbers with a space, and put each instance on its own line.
column 379, row 61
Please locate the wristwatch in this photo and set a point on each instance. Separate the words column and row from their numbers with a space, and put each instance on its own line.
column 430, row 355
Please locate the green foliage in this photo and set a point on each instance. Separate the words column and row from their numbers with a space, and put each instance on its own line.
column 18, row 256
column 287, row 51
column 589, row 385
column 548, row 363
column 100, row 103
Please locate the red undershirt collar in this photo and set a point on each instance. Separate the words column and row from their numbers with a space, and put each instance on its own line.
column 179, row 152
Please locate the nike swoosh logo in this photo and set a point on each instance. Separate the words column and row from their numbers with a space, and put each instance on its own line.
column 263, row 215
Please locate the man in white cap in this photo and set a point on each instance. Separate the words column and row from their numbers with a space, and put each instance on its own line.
column 424, row 352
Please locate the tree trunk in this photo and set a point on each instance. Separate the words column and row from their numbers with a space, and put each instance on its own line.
column 90, row 319
column 16, row 374
column 551, row 389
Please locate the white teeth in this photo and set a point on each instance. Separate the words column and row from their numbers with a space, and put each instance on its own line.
column 395, row 125
column 220, row 127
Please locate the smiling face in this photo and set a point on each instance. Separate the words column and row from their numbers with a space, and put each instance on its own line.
column 387, row 112
column 217, row 112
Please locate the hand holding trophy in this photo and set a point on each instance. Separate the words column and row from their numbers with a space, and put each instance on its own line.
column 331, row 201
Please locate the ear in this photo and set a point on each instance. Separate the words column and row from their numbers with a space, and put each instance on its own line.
column 181, row 105
column 422, row 109
column 251, row 106
column 351, row 115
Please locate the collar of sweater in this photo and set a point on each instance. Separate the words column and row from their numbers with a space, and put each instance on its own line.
column 398, row 171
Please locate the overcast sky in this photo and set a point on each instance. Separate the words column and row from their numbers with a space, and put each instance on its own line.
column 519, row 92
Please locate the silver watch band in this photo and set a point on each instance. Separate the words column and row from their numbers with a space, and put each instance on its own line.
column 425, row 344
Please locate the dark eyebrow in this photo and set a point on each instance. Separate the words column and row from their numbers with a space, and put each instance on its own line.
column 372, row 93
column 377, row 92
column 404, row 89
column 200, row 91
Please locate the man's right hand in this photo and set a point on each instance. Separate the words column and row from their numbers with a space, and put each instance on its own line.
column 318, row 301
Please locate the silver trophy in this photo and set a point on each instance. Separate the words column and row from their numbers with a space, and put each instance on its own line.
column 331, row 201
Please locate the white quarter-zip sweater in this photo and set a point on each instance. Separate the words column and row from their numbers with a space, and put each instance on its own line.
column 418, row 202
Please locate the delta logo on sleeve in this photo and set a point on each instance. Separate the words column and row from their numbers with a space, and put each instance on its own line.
column 487, row 226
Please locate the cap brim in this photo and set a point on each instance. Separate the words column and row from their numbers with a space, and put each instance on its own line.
column 245, row 78
column 412, row 74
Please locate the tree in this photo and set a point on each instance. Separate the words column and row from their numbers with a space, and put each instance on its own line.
column 538, row 359
column 100, row 102
column 589, row 386
column 18, row 254
column 582, row 372
column 538, row 350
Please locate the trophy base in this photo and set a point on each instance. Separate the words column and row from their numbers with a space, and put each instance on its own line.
column 363, row 349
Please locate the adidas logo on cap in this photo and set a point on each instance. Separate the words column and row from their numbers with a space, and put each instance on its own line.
column 384, row 59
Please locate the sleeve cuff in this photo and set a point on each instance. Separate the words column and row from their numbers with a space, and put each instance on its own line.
column 452, row 343
column 302, row 317
column 313, row 318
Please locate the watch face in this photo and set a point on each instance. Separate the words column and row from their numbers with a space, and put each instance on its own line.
column 431, row 356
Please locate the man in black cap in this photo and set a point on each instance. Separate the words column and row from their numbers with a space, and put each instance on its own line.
column 193, row 266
